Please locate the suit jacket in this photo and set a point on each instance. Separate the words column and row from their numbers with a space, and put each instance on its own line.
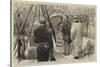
column 42, row 34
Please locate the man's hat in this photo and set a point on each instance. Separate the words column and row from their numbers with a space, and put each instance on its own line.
column 76, row 19
column 42, row 20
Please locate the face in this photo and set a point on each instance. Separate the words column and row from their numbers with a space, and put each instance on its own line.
column 61, row 25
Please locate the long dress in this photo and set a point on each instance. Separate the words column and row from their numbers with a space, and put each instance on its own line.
column 76, row 36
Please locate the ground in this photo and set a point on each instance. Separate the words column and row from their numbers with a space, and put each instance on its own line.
column 60, row 59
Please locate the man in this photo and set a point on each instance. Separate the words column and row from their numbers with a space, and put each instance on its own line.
column 66, row 35
column 43, row 38
column 76, row 36
column 21, row 44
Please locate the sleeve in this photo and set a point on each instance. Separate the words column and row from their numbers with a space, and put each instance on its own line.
column 50, row 39
column 34, row 36
column 72, row 31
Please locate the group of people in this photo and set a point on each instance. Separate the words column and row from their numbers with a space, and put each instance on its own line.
column 72, row 36
column 43, row 37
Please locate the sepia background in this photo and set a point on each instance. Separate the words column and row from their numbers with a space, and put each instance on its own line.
column 86, row 14
column 5, row 32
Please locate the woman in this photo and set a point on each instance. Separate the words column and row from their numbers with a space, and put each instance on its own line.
column 76, row 36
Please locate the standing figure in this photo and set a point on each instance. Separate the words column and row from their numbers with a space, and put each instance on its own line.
column 66, row 35
column 21, row 42
column 76, row 36
column 43, row 39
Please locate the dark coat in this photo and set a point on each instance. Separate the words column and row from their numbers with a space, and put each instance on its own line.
column 66, row 30
column 42, row 34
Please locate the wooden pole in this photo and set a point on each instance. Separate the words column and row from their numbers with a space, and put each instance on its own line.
column 48, row 18
column 32, row 24
column 22, row 28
